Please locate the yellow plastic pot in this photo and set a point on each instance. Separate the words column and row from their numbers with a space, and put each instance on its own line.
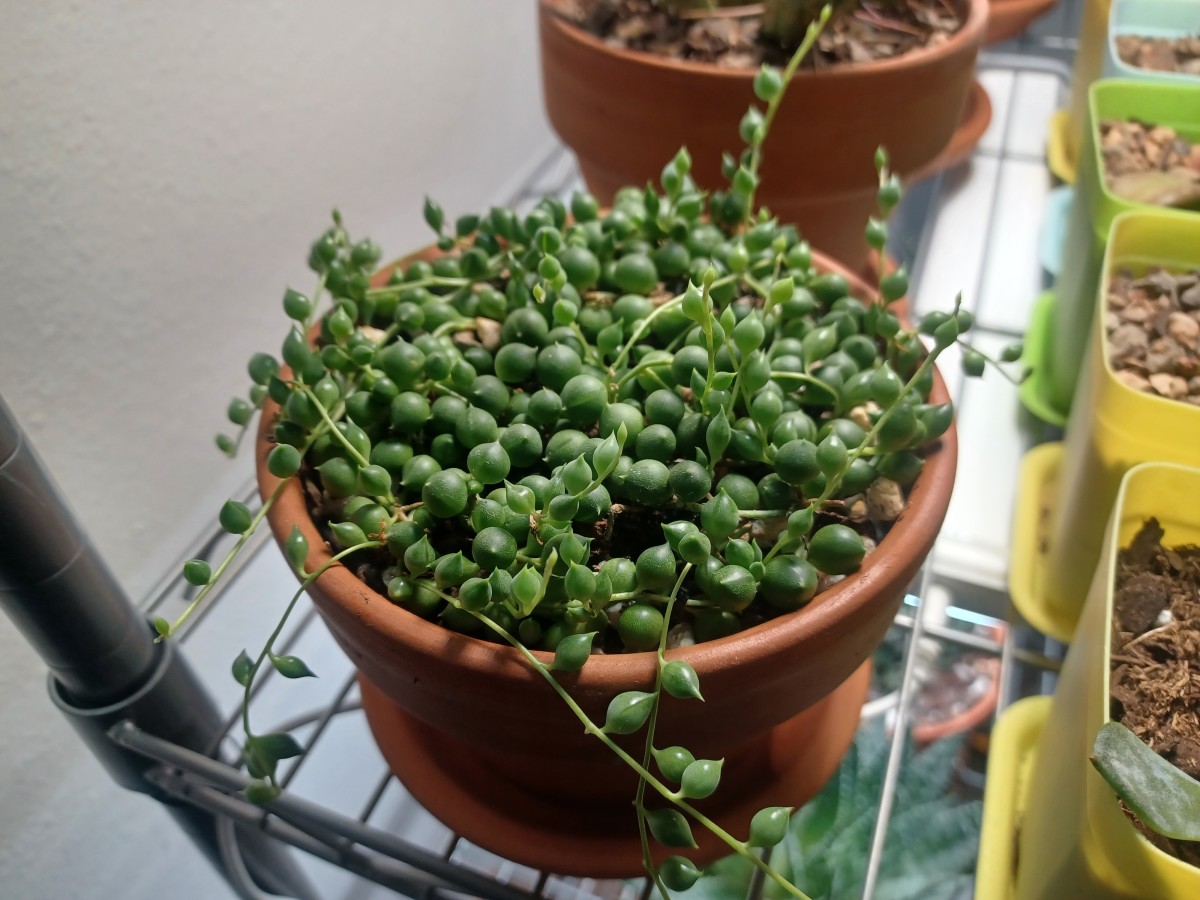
column 1068, row 125
column 1059, row 526
column 1092, row 212
column 1075, row 842
column 1011, row 754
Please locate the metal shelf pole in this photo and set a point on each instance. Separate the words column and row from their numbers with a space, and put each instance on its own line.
column 105, row 666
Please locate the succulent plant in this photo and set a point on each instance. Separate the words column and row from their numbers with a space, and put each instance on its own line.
column 1165, row 798
column 581, row 429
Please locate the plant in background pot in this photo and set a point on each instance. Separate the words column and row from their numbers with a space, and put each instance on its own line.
column 623, row 108
column 604, row 505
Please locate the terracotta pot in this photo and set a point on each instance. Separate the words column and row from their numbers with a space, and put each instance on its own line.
column 1008, row 18
column 625, row 114
column 485, row 744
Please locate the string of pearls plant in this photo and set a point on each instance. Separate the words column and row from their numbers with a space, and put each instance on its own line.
column 598, row 431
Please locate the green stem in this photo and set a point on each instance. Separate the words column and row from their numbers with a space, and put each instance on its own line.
column 453, row 325
column 741, row 386
column 761, row 513
column 358, row 457
column 432, row 281
column 589, row 350
column 229, row 557
column 642, row 326
column 833, row 484
column 652, row 725
column 809, row 380
column 810, row 38
column 638, row 595
column 710, row 342
column 315, row 300
column 266, row 650
column 643, row 367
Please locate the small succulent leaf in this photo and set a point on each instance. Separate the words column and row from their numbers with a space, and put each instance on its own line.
column 465, row 225
column 292, row 667
column 527, row 590
column 276, row 746
column 670, row 828
column 572, row 652
column 628, row 712
column 1164, row 797
column 261, row 792
column 162, row 626
column 296, row 548
column 242, row 667
column 769, row 825
column 434, row 216
column 973, row 362
column 608, row 341
column 800, row 523
column 678, row 873
column 258, row 763
column 679, row 679
column 576, row 475
column 718, row 435
column 673, row 761
column 701, row 778
column 235, row 517
column 607, row 455
column 1012, row 352
column 519, row 499
column 347, row 535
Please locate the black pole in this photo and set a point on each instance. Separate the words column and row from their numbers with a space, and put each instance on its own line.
column 104, row 664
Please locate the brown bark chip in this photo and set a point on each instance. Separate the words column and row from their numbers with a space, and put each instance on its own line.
column 1153, row 329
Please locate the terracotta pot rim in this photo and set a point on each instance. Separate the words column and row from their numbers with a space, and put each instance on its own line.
column 927, row 504
column 970, row 34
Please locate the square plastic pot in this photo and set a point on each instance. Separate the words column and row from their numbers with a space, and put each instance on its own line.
column 1075, row 841
column 1150, row 18
column 1092, row 212
column 1059, row 528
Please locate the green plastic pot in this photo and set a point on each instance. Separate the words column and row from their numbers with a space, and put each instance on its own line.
column 1092, row 213
column 1075, row 841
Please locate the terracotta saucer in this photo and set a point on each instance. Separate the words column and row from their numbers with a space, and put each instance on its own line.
column 976, row 116
column 1008, row 18
column 449, row 780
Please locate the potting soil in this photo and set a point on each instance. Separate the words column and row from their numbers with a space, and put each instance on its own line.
column 861, row 33
column 1155, row 657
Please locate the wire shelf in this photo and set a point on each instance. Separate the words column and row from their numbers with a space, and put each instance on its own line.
column 969, row 227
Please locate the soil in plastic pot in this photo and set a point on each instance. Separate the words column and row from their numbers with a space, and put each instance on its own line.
column 1155, row 680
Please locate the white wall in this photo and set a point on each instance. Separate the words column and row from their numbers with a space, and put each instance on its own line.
column 163, row 168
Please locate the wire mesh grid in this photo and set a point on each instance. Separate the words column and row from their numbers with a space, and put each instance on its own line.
column 366, row 824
